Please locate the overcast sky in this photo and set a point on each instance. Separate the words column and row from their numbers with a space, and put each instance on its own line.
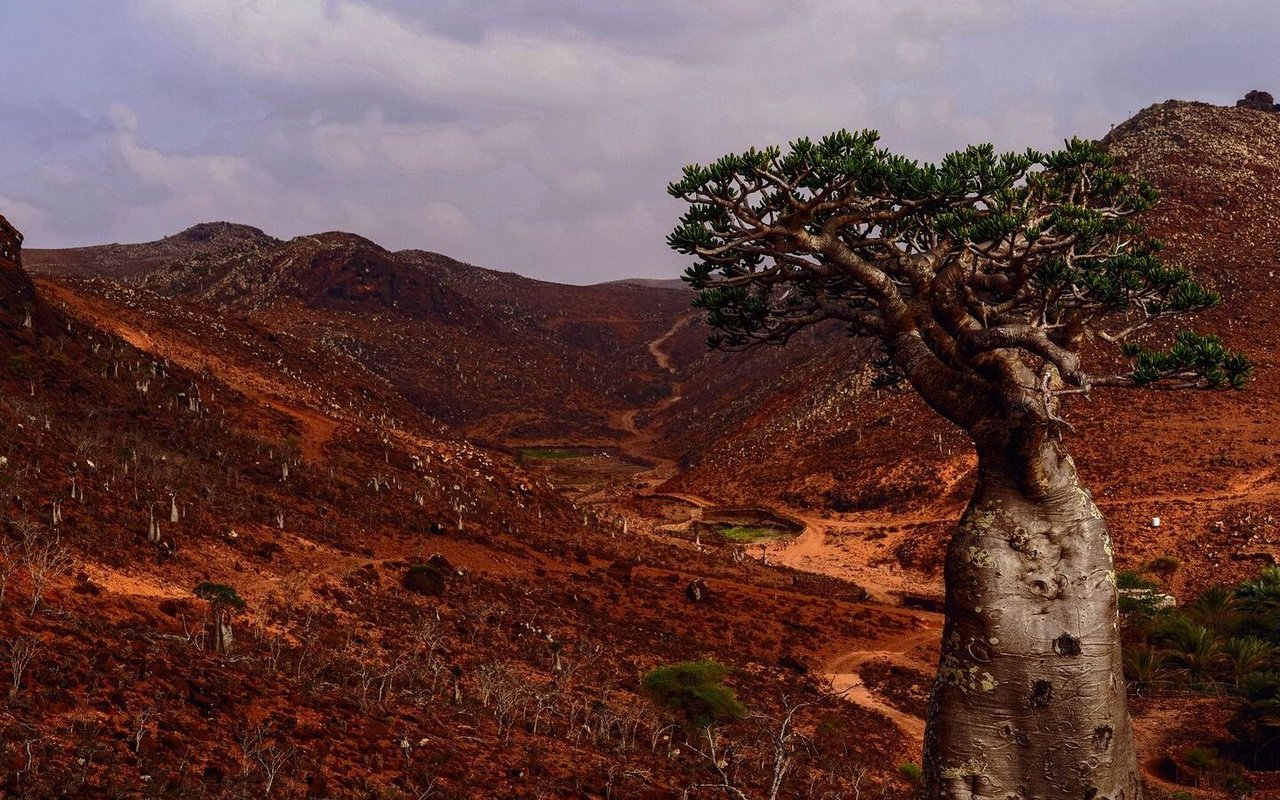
column 538, row 135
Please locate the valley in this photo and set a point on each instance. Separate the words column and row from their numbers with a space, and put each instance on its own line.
column 468, row 512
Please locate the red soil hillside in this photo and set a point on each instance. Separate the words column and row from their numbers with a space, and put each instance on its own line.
column 323, row 414
column 152, row 443
column 498, row 356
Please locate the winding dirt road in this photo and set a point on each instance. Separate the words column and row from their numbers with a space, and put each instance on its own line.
column 812, row 551
column 641, row 443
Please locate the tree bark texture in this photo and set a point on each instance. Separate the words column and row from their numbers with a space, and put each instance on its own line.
column 1029, row 700
column 223, row 638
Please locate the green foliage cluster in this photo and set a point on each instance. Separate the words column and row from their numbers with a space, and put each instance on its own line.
column 220, row 595
column 1211, row 769
column 845, row 166
column 20, row 365
column 1196, row 355
column 1132, row 579
column 912, row 772
column 549, row 453
column 1226, row 641
column 1052, row 235
column 695, row 690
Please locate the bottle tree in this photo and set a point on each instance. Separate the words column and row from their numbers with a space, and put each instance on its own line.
column 984, row 280
column 224, row 602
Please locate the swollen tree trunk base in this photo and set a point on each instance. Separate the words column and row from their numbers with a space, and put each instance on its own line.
column 1029, row 701
column 223, row 639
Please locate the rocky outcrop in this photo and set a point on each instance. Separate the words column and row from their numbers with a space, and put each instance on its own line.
column 1258, row 101
column 17, row 295
column 10, row 242
column 698, row 592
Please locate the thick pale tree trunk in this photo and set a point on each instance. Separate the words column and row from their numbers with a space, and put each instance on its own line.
column 1029, row 701
column 223, row 638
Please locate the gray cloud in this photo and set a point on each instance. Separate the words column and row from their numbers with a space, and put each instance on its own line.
column 538, row 135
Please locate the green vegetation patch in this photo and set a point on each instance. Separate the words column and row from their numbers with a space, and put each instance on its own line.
column 749, row 534
column 551, row 453
column 1224, row 642
column 695, row 690
column 219, row 594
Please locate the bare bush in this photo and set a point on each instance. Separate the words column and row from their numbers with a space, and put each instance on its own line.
column 9, row 560
column 19, row 653
column 265, row 753
column 46, row 559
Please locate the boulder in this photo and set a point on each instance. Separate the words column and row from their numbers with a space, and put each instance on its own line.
column 620, row 570
column 425, row 579
column 1258, row 101
column 698, row 592
column 443, row 565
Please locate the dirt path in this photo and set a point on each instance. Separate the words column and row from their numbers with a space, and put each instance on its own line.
column 655, row 347
column 810, row 551
column 843, row 670
column 640, row 442
column 316, row 429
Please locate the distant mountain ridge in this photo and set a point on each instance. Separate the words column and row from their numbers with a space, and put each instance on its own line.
column 504, row 356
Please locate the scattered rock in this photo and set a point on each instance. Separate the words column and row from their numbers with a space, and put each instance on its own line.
column 444, row 566
column 198, row 694
column 85, row 586
column 425, row 579
column 698, row 592
column 793, row 663
column 620, row 570
column 921, row 602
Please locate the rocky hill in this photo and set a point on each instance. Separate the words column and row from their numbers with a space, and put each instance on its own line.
column 495, row 355
column 420, row 617
column 17, row 295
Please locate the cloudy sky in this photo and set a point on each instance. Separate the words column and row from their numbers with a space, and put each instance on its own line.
column 538, row 135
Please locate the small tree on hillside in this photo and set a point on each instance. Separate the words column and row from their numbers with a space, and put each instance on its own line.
column 696, row 691
column 980, row 280
column 223, row 604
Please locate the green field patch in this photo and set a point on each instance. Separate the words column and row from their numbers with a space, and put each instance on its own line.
column 749, row 534
column 552, row 453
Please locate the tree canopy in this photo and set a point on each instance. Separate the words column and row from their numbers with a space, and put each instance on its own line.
column 696, row 689
column 220, row 595
column 982, row 277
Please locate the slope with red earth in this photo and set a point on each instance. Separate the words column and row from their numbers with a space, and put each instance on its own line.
column 299, row 475
column 493, row 354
